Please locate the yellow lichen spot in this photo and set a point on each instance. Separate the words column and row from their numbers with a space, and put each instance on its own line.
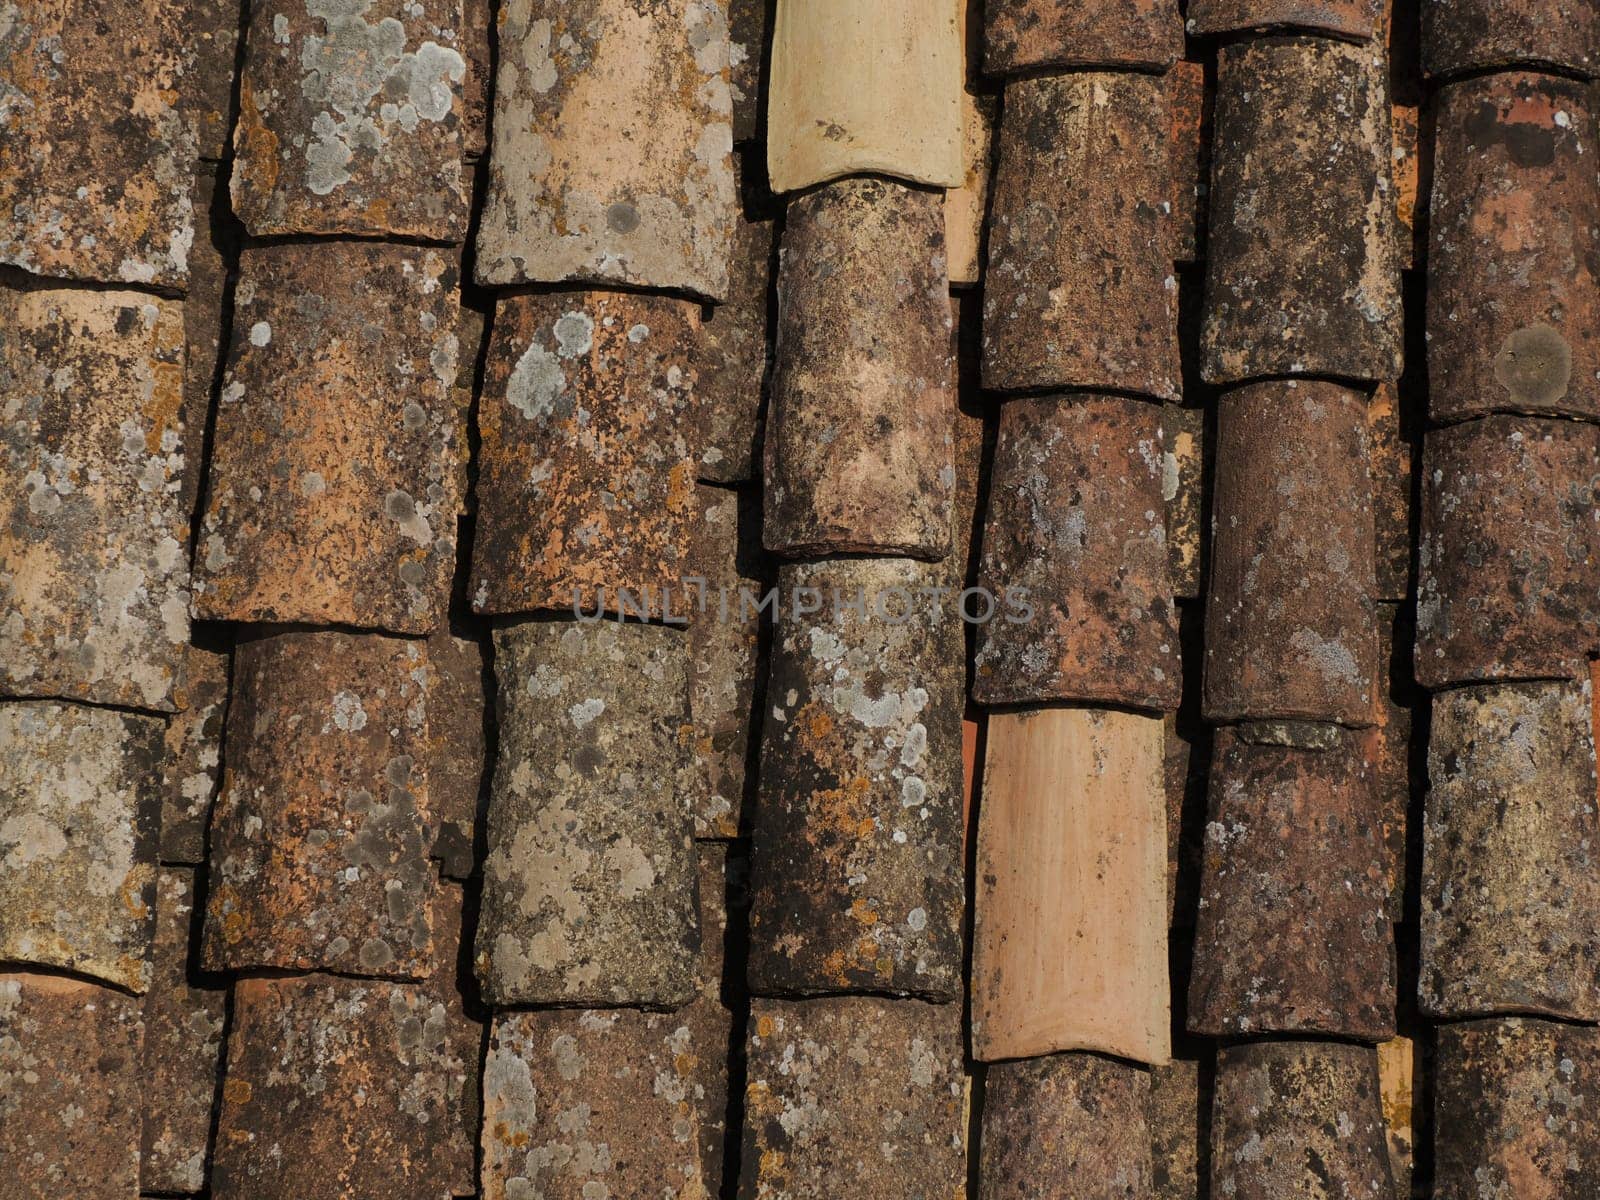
column 764, row 1027
column 863, row 912
column 237, row 1091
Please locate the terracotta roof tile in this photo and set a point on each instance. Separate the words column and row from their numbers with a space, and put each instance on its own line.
column 588, row 895
column 1514, row 257
column 1509, row 567
column 1190, row 103
column 881, row 1087
column 1293, row 1116
column 1358, row 19
column 864, row 89
column 1510, row 900
column 747, row 66
column 1389, row 746
column 78, row 812
column 204, row 324
column 1511, row 1111
column 1024, row 34
column 331, row 496
column 320, row 838
column 1394, row 442
column 350, row 120
column 857, row 839
column 1178, row 1113
column 1079, row 290
column 1289, row 612
column 576, row 79
column 1302, row 268
column 96, row 575
column 1063, row 1125
column 182, row 1063
column 1076, row 523
column 457, row 757
column 1293, row 933
column 858, row 439
column 586, row 475
column 69, row 1058
column 1185, row 470
column 1464, row 35
column 99, row 154
column 477, row 84
column 206, row 92
column 192, row 762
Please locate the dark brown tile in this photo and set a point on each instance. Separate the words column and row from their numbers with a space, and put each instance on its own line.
column 206, row 93
column 1024, row 34
column 458, row 753
column 1179, row 1116
column 1465, row 35
column 1360, row 19
column 191, row 764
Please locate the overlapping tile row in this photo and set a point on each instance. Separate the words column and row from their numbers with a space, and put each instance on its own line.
column 1508, row 571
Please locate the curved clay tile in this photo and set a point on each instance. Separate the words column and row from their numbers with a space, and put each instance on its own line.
column 1069, row 942
column 319, row 839
column 1358, row 19
column 859, row 437
column 856, row 864
column 350, row 120
column 589, row 886
column 1190, row 102
column 331, row 496
column 1298, row 1119
column 192, row 762
column 78, row 812
column 1079, row 291
column 1509, row 567
column 1302, row 261
column 1513, row 319
column 1468, row 35
column 612, row 142
column 1076, row 521
column 1178, row 1114
column 458, row 753
column 1293, row 932
column 1020, row 35
column 859, row 89
column 1510, row 897
column 213, row 33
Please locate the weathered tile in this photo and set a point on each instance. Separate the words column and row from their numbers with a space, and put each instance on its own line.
column 1069, row 940
column 1079, row 291
column 965, row 206
column 319, row 839
column 332, row 475
column 1466, row 35
column 1289, row 617
column 477, row 18
column 342, row 1088
column 203, row 323
column 734, row 348
column 78, row 812
column 206, row 93
column 615, row 1102
column 1076, row 531
column 1360, row 19
column 1389, row 746
column 69, row 1089
column 1513, row 1110
column 1302, row 268
column 191, row 761
column 589, row 888
column 1510, row 897
column 1509, row 563
column 1298, row 1119
column 94, row 572
column 182, row 1050
column 1020, row 35
column 858, row 439
column 873, row 1093
column 1411, row 188
column 586, row 475
column 1185, row 763
column 1394, row 437
column 864, row 89
column 857, row 869
column 458, row 750
column 1514, row 249
column 350, row 119
column 97, row 154
column 747, row 44
column 1189, row 105
column 1178, row 1112
column 1397, row 1088
column 1067, row 1126
column 1293, row 933
column 1183, row 479
column 724, row 662
column 575, row 193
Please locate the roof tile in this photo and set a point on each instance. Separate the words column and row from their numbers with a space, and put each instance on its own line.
column 1025, row 34
column 1359, row 19
column 192, row 762
column 1465, row 35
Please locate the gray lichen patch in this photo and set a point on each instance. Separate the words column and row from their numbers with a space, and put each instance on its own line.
column 577, row 80
column 589, row 887
column 1510, row 894
column 351, row 119
column 335, row 472
column 856, row 1088
column 182, row 1061
column 78, row 813
column 97, row 150
column 321, row 836
column 94, row 558
column 69, row 1089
